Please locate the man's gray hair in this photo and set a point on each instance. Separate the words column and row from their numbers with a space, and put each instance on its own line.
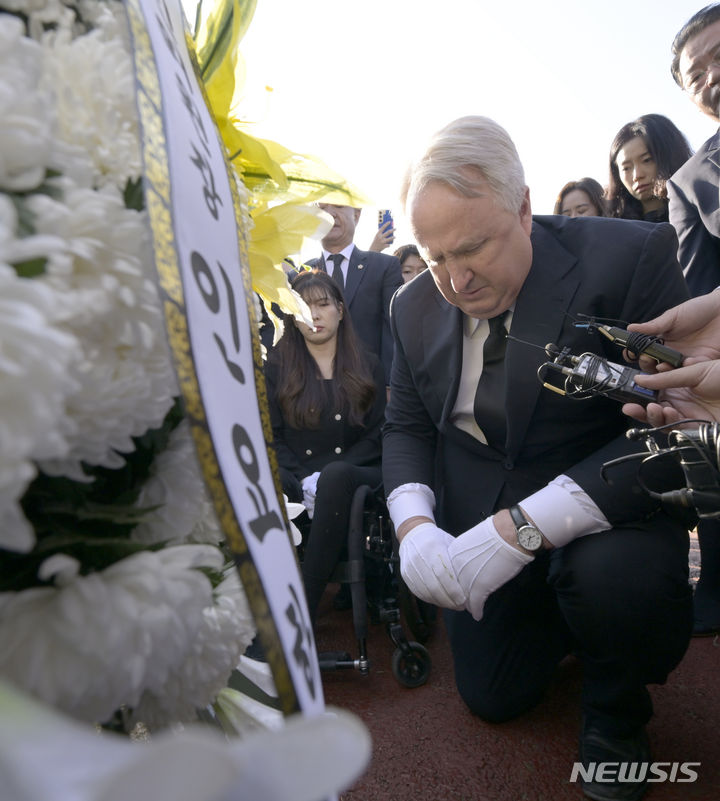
column 468, row 149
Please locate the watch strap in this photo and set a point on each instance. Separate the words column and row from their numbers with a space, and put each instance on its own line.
column 518, row 518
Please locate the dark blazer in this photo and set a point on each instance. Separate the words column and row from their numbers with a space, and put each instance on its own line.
column 694, row 197
column 305, row 451
column 372, row 279
column 619, row 269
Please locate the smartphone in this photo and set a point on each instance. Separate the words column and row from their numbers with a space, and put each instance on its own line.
column 384, row 215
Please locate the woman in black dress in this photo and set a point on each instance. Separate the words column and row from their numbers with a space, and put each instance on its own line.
column 327, row 406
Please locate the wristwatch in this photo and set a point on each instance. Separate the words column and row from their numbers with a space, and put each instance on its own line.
column 528, row 536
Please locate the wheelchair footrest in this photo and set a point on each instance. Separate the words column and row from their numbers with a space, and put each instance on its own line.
column 342, row 660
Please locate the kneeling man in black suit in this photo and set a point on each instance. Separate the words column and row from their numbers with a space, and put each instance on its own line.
column 494, row 482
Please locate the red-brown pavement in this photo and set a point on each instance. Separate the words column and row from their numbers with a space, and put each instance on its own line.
column 428, row 747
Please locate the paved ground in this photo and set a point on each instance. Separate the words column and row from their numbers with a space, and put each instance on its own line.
column 427, row 747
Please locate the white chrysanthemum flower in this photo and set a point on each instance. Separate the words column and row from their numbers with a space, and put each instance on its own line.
column 14, row 250
column 46, row 755
column 191, row 684
column 16, row 533
column 108, row 16
column 35, row 383
column 107, row 298
column 44, row 14
column 92, row 80
column 184, row 510
column 59, row 568
column 26, row 134
column 84, row 368
column 46, row 11
column 146, row 624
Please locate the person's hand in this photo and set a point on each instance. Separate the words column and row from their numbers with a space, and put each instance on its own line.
column 691, row 392
column 693, row 328
column 309, row 488
column 483, row 561
column 426, row 568
column 384, row 237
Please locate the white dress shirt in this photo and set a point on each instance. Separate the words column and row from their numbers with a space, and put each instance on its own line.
column 475, row 333
column 346, row 252
column 562, row 510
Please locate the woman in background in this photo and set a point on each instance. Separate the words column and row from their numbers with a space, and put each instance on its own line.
column 643, row 155
column 327, row 404
column 583, row 198
column 411, row 262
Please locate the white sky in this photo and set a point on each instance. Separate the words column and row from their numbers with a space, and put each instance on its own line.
column 364, row 84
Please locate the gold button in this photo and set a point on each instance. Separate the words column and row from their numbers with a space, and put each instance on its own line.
column 338, row 417
column 338, row 450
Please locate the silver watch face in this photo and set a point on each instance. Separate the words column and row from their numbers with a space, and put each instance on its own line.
column 530, row 538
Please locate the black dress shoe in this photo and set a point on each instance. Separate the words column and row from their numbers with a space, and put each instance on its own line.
column 701, row 629
column 706, row 611
column 625, row 779
column 706, row 599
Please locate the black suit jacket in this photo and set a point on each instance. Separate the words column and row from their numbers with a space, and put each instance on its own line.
column 306, row 451
column 372, row 279
column 694, row 206
column 619, row 269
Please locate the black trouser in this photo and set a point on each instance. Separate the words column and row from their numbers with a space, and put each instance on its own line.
column 327, row 540
column 619, row 599
column 707, row 590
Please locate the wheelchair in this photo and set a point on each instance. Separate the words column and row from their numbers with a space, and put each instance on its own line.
column 379, row 595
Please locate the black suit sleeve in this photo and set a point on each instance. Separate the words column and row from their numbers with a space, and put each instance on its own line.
column 699, row 250
column 409, row 434
column 657, row 284
column 392, row 280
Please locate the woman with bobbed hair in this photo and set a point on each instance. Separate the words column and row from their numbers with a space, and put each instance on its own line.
column 411, row 262
column 583, row 198
column 643, row 155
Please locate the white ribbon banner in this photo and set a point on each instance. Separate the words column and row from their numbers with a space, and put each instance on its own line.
column 208, row 301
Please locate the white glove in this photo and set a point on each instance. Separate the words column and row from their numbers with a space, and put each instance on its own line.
column 483, row 561
column 309, row 488
column 426, row 569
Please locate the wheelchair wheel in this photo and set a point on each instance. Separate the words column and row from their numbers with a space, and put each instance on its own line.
column 411, row 666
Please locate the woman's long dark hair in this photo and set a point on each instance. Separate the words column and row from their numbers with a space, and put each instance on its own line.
column 302, row 392
column 666, row 144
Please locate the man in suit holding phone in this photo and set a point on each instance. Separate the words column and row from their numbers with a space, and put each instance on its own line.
column 493, row 482
column 694, row 207
column 368, row 280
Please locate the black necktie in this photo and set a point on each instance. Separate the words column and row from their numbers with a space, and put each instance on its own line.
column 337, row 260
column 489, row 406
